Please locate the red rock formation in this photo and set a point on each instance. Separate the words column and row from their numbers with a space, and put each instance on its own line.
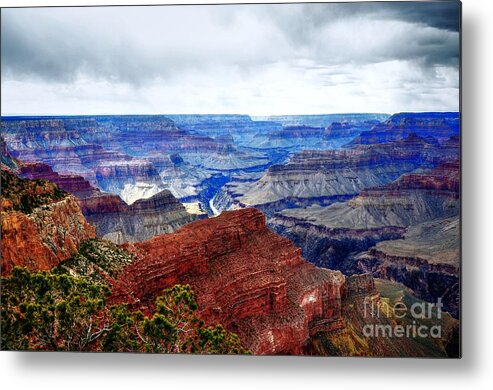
column 44, row 238
column 246, row 277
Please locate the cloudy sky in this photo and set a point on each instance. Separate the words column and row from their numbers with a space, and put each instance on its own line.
column 251, row 59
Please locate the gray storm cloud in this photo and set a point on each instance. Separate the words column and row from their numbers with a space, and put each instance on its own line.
column 237, row 58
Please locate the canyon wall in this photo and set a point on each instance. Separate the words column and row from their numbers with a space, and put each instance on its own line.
column 427, row 260
column 142, row 220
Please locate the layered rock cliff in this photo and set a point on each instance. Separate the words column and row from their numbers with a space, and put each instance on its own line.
column 71, row 183
column 408, row 215
column 114, row 219
column 248, row 278
column 127, row 155
column 427, row 260
column 41, row 225
column 413, row 198
column 142, row 220
column 318, row 176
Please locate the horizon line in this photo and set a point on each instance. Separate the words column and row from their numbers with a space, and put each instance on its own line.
column 224, row 114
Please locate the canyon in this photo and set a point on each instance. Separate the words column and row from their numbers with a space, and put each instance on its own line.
column 112, row 218
column 137, row 156
column 390, row 231
column 322, row 177
column 244, row 276
column 282, row 225
column 125, row 155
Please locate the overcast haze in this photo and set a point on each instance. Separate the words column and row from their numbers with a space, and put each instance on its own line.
column 247, row 59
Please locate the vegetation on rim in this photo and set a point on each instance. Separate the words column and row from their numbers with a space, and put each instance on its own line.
column 25, row 195
column 57, row 312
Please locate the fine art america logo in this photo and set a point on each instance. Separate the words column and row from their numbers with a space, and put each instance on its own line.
column 419, row 312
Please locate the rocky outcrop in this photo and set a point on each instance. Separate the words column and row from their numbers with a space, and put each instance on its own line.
column 41, row 225
column 73, row 184
column 360, row 285
column 248, row 278
column 131, row 180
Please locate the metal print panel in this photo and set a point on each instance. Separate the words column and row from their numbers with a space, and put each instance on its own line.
column 266, row 179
